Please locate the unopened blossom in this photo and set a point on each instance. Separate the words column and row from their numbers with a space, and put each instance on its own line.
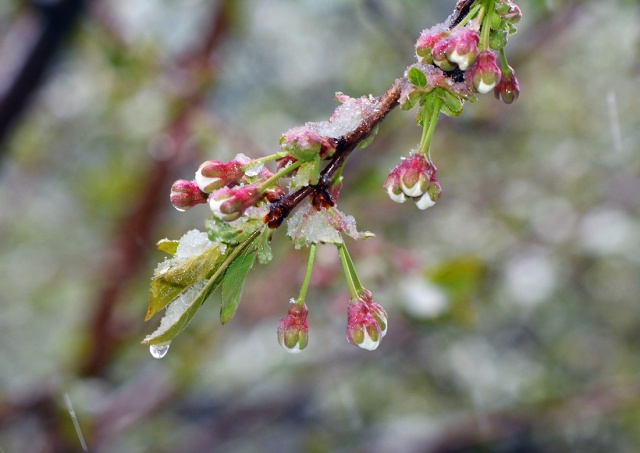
column 459, row 48
column 508, row 89
column 230, row 203
column 484, row 74
column 366, row 323
column 186, row 194
column 412, row 178
column 293, row 329
column 213, row 174
column 304, row 144
column 427, row 40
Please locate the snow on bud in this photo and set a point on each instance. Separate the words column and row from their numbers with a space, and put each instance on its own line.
column 484, row 74
column 427, row 40
column 459, row 48
column 186, row 194
column 214, row 174
column 508, row 89
column 293, row 330
column 363, row 330
column 379, row 313
column 413, row 178
column 228, row 204
column 304, row 144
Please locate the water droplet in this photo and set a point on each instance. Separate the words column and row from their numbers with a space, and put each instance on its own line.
column 158, row 351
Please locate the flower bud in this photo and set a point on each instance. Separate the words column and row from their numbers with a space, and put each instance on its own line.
column 432, row 195
column 508, row 89
column 293, row 330
column 379, row 313
column 484, row 74
column 304, row 144
column 513, row 14
column 427, row 40
column 186, row 194
column 214, row 174
column 459, row 48
column 228, row 204
column 363, row 329
column 411, row 178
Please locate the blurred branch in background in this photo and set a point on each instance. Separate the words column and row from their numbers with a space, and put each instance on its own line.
column 28, row 51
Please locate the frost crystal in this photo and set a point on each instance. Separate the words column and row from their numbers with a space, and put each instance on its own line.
column 192, row 243
column 310, row 226
column 176, row 309
column 253, row 170
column 346, row 117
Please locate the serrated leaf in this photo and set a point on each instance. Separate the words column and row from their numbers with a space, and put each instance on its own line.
column 181, row 274
column 307, row 174
column 168, row 246
column 232, row 285
column 265, row 254
column 183, row 308
column 417, row 77
column 451, row 104
column 231, row 233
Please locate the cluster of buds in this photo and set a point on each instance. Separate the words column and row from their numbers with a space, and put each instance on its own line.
column 462, row 48
column 415, row 178
column 293, row 330
column 366, row 322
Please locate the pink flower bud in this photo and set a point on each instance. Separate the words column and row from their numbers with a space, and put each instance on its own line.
column 427, row 40
column 508, row 89
column 214, row 174
column 484, row 74
column 459, row 48
column 363, row 329
column 412, row 178
column 293, row 330
column 513, row 14
column 304, row 144
column 186, row 194
column 228, row 204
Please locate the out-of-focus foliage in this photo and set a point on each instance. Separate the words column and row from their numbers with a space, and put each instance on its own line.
column 513, row 304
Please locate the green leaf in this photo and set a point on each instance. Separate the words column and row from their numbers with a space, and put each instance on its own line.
column 265, row 255
column 180, row 274
column 417, row 77
column 307, row 174
column 231, row 233
column 184, row 306
column 233, row 283
column 451, row 104
column 168, row 246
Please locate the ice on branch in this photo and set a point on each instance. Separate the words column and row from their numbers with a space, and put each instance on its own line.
column 346, row 117
column 311, row 226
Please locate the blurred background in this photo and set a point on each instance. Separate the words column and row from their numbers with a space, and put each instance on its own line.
column 514, row 303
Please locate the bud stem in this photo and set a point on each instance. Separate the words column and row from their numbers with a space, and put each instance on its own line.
column 264, row 159
column 288, row 169
column 307, row 275
column 472, row 13
column 355, row 286
column 504, row 66
column 428, row 128
column 486, row 23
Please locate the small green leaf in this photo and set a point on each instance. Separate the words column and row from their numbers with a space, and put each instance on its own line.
column 417, row 77
column 307, row 174
column 179, row 275
column 231, row 233
column 451, row 104
column 233, row 283
column 168, row 246
column 265, row 255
